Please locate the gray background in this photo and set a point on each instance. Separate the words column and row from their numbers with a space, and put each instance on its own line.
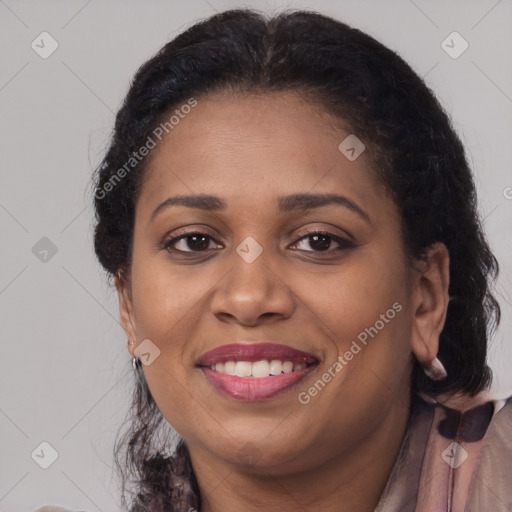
column 66, row 374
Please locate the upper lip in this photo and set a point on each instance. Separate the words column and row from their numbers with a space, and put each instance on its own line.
column 254, row 352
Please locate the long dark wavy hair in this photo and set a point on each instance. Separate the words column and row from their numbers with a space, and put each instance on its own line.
column 415, row 153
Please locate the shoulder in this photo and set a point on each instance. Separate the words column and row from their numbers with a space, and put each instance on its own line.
column 491, row 487
column 468, row 454
column 467, row 419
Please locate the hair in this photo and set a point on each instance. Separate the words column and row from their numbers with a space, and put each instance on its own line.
column 415, row 154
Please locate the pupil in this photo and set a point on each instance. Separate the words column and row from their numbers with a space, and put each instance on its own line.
column 321, row 247
column 195, row 245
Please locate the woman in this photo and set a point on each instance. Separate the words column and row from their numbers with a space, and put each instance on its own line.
column 291, row 225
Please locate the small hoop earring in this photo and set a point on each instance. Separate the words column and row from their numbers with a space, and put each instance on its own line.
column 134, row 359
column 435, row 370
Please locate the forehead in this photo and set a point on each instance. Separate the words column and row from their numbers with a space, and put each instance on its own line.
column 252, row 149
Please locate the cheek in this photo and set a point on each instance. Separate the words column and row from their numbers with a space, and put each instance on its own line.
column 357, row 297
column 167, row 298
column 168, row 310
column 174, row 399
column 365, row 311
column 376, row 343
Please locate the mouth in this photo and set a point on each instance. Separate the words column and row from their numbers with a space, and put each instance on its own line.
column 255, row 371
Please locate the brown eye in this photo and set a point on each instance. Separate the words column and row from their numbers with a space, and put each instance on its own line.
column 190, row 243
column 320, row 241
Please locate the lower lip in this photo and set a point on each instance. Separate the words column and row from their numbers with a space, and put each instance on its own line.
column 253, row 389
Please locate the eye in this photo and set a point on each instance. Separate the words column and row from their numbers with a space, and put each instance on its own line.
column 190, row 243
column 321, row 241
column 198, row 242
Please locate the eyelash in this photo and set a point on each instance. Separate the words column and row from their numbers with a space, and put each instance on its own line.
column 343, row 242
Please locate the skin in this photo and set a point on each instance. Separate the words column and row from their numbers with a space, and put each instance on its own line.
column 279, row 454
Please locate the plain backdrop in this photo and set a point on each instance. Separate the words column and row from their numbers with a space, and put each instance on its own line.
column 66, row 375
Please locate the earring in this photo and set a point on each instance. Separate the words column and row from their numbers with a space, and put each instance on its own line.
column 435, row 370
column 134, row 359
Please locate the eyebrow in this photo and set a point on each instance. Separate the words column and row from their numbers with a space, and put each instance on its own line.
column 202, row 202
column 293, row 202
column 296, row 202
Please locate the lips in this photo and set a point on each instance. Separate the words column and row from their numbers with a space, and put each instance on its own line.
column 255, row 371
column 254, row 352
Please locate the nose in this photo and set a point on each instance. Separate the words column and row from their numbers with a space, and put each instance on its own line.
column 252, row 293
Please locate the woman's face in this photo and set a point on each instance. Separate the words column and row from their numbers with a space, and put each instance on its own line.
column 253, row 271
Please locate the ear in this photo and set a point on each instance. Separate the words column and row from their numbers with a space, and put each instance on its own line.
column 126, row 314
column 430, row 302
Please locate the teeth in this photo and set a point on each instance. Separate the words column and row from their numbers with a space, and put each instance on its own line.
column 287, row 367
column 243, row 368
column 258, row 369
column 276, row 367
column 229, row 368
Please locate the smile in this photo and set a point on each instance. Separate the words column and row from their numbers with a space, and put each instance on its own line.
column 255, row 371
column 258, row 369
